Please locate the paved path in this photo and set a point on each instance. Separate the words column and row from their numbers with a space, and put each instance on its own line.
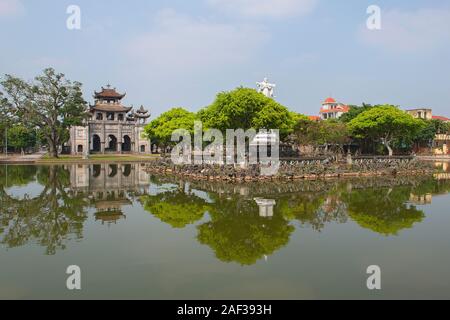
column 22, row 159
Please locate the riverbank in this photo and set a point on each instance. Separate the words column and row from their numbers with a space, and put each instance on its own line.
column 296, row 170
column 44, row 159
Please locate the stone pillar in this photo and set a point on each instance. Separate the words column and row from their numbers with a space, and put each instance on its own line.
column 103, row 139
column 119, row 139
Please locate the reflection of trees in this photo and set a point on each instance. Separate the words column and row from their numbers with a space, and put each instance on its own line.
column 175, row 208
column 384, row 211
column 50, row 219
column 315, row 210
column 16, row 175
column 237, row 233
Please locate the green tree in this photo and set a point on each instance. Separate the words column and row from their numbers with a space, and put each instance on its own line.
column 52, row 103
column 324, row 133
column 354, row 112
column 334, row 133
column 161, row 129
column 245, row 108
column 21, row 137
column 385, row 124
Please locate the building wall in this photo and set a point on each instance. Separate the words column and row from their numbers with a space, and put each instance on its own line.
column 426, row 114
column 79, row 141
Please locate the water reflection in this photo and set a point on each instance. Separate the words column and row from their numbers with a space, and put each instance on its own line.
column 239, row 223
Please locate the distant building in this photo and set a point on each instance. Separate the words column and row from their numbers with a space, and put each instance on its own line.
column 426, row 114
column 331, row 109
column 445, row 119
column 111, row 127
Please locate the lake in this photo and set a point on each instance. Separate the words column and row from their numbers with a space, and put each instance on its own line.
column 139, row 236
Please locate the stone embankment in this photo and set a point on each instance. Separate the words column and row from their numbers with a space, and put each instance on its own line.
column 307, row 169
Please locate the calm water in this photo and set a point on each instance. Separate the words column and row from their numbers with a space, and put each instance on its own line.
column 141, row 236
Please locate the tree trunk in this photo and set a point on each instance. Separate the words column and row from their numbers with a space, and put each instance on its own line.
column 391, row 152
column 53, row 149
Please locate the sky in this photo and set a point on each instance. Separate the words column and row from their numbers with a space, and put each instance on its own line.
column 179, row 53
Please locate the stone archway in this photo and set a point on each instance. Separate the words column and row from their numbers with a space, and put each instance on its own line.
column 96, row 143
column 112, row 144
column 126, row 145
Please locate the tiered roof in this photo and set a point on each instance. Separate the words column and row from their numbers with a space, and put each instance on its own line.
column 109, row 94
column 108, row 100
column 141, row 113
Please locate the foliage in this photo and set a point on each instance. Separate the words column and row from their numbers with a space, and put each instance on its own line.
column 245, row 108
column 385, row 124
column 328, row 133
column 161, row 129
column 51, row 103
column 354, row 112
column 21, row 137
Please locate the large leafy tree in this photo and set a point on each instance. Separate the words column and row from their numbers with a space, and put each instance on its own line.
column 245, row 108
column 51, row 102
column 324, row 133
column 161, row 129
column 386, row 124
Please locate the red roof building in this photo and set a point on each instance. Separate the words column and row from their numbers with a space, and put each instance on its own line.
column 445, row 119
column 331, row 109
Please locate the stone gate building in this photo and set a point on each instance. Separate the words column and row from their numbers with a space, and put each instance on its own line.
column 112, row 128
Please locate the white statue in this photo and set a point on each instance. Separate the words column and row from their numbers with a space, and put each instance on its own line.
column 266, row 88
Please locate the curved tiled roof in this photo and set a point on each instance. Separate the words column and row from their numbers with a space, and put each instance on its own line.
column 111, row 108
column 108, row 93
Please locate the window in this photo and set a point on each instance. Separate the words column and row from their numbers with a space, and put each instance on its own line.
column 110, row 116
column 120, row 117
column 99, row 116
column 80, row 149
column 142, row 149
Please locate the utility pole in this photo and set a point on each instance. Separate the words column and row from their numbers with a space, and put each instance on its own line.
column 6, row 141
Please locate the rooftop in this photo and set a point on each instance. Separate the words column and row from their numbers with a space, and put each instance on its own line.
column 108, row 93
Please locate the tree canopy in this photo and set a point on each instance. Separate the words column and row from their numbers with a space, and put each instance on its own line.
column 51, row 103
column 245, row 108
column 161, row 129
column 385, row 124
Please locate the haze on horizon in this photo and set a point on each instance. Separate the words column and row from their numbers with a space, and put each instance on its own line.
column 179, row 53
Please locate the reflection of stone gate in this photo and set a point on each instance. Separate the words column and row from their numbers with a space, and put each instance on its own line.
column 109, row 186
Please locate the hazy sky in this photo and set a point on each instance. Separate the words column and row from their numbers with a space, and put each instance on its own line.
column 181, row 53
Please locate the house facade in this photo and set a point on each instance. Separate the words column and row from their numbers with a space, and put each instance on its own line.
column 331, row 109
